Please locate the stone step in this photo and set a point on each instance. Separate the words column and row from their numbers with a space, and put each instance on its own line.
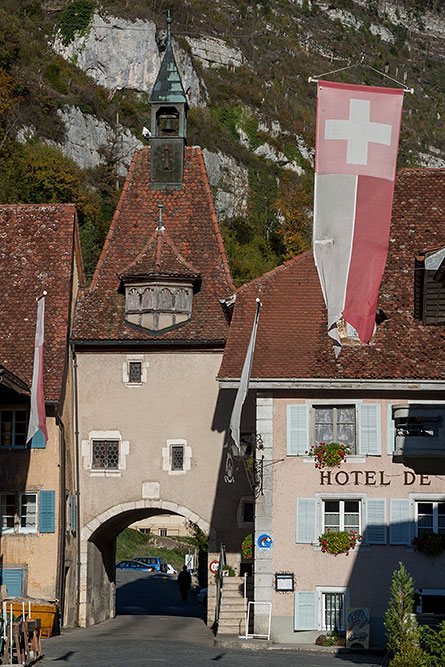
column 233, row 603
column 225, row 628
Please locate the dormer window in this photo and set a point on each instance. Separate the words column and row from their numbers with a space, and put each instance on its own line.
column 429, row 301
column 158, row 306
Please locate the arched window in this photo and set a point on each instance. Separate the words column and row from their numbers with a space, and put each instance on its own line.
column 148, row 299
column 133, row 299
column 165, row 299
column 182, row 301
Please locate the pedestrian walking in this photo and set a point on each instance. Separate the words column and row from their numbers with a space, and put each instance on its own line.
column 184, row 583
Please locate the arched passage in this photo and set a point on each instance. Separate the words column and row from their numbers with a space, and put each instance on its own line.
column 97, row 591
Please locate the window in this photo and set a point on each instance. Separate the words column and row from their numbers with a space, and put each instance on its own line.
column 429, row 287
column 18, row 513
column 430, row 517
column 13, row 427
column 248, row 512
column 335, row 424
column 333, row 611
column 105, row 454
column 177, row 454
column 158, row 306
column 135, row 372
column 176, row 457
column 163, row 532
column 341, row 515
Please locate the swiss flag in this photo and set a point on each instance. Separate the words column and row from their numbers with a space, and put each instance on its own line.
column 356, row 153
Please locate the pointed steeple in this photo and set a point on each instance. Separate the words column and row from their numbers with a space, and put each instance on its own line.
column 168, row 123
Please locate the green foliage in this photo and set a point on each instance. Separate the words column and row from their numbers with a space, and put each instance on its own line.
column 338, row 541
column 57, row 73
column 401, row 627
column 198, row 538
column 329, row 455
column 76, row 19
column 433, row 641
column 430, row 544
column 247, row 546
column 131, row 543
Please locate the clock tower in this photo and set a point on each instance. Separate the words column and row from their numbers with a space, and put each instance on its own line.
column 169, row 106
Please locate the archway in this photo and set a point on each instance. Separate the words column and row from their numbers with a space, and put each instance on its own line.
column 97, row 589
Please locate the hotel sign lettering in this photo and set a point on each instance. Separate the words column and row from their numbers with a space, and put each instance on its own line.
column 369, row 478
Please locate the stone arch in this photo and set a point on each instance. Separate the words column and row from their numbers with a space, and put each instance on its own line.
column 89, row 612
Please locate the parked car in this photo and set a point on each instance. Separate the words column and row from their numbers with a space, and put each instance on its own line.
column 202, row 596
column 171, row 569
column 156, row 564
column 133, row 565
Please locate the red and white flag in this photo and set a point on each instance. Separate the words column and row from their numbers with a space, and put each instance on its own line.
column 357, row 139
column 37, row 417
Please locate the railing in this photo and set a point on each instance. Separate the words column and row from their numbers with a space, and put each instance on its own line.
column 222, row 562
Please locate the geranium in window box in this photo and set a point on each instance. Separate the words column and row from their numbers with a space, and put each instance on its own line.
column 246, row 547
column 329, row 455
column 430, row 544
column 339, row 541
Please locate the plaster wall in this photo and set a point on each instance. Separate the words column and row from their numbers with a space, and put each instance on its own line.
column 34, row 552
column 366, row 571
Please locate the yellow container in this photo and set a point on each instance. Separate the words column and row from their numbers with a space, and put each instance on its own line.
column 46, row 612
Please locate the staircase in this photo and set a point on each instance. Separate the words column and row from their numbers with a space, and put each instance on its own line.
column 233, row 607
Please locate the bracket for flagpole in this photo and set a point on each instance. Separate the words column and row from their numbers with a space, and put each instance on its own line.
column 317, row 77
column 44, row 293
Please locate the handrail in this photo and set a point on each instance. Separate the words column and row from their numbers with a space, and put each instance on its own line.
column 222, row 562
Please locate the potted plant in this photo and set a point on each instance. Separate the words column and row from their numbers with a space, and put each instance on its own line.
column 247, row 547
column 430, row 544
column 338, row 541
column 329, row 455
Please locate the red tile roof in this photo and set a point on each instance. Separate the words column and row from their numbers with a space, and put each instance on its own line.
column 37, row 246
column 195, row 239
column 292, row 341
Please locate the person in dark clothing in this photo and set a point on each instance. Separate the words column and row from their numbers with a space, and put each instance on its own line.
column 184, row 583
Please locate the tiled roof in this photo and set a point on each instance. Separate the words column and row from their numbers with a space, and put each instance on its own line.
column 36, row 254
column 292, row 341
column 192, row 228
column 160, row 257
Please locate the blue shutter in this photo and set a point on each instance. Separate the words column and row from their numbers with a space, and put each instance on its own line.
column 369, row 429
column 73, row 514
column 297, row 419
column 390, row 431
column 305, row 617
column 399, row 521
column 375, row 521
column 38, row 440
column 306, row 520
column 47, row 512
column 12, row 579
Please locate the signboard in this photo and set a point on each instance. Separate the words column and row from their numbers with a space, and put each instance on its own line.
column 284, row 582
column 264, row 542
column 357, row 627
column 189, row 561
column 214, row 566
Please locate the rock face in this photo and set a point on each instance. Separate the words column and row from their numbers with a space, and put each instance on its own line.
column 231, row 182
column 214, row 52
column 119, row 54
column 86, row 137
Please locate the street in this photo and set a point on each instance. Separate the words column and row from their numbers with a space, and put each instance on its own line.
column 154, row 628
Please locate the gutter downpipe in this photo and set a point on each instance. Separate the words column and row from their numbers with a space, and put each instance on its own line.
column 60, row 580
column 77, row 477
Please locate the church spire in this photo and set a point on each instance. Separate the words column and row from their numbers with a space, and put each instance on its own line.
column 169, row 106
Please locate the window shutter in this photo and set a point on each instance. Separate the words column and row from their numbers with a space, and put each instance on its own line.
column 306, row 520
column 390, row 431
column 376, row 521
column 305, row 617
column 12, row 579
column 73, row 514
column 47, row 511
column 369, row 423
column 297, row 430
column 38, row 440
column 399, row 521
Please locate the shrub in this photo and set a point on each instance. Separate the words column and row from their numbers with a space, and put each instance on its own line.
column 247, row 546
column 76, row 19
column 329, row 455
column 401, row 627
column 339, row 541
column 431, row 544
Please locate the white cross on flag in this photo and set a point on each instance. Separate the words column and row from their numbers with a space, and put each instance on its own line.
column 356, row 152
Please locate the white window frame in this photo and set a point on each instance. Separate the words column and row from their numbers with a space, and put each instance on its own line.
column 320, row 497
column 341, row 500
column 167, row 456
column 322, row 591
column 14, row 410
column 32, row 529
column 416, row 498
column 87, row 453
column 134, row 358
column 334, row 406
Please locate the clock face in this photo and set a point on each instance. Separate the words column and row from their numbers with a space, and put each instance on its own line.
column 167, row 160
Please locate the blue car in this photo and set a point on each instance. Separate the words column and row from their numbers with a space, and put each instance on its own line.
column 155, row 564
column 133, row 565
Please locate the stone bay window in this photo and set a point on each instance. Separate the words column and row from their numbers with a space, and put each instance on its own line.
column 158, row 306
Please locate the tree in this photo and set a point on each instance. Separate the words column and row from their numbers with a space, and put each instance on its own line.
column 403, row 634
column 293, row 206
